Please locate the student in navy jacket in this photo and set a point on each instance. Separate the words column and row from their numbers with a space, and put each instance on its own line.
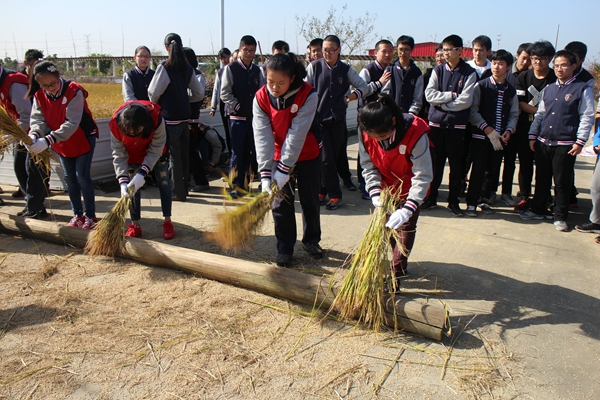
column 136, row 80
column 224, row 56
column 332, row 79
column 561, row 127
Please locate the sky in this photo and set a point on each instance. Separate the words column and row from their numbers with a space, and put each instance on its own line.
column 118, row 27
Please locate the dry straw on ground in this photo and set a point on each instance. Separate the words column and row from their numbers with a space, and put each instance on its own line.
column 108, row 237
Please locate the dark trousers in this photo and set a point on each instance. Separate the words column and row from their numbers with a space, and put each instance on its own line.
column 225, row 120
column 32, row 179
column 508, row 171
column 333, row 145
column 486, row 168
column 179, row 144
column 407, row 240
column 526, row 161
column 553, row 161
column 467, row 158
column 196, row 165
column 341, row 158
column 305, row 177
column 448, row 143
column 242, row 151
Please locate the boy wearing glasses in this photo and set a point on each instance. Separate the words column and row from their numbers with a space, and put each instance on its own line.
column 450, row 94
column 332, row 79
column 406, row 83
column 561, row 127
column 530, row 89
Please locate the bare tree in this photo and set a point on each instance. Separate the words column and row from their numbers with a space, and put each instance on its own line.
column 356, row 34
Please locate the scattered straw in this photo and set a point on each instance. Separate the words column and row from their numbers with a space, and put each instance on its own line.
column 9, row 126
column 361, row 294
column 108, row 237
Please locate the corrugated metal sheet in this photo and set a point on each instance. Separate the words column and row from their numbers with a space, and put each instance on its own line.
column 426, row 52
column 102, row 167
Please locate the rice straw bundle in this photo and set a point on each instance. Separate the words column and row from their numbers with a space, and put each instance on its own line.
column 9, row 126
column 361, row 294
column 236, row 228
column 108, row 237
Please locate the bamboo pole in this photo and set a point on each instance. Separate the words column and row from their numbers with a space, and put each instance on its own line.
column 413, row 314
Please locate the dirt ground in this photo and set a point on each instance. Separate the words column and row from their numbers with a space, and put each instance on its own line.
column 72, row 327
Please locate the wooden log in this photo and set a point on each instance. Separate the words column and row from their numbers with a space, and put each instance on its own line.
column 413, row 314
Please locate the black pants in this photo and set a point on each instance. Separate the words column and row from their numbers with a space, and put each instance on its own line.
column 467, row 159
column 196, row 165
column 226, row 122
column 486, row 167
column 305, row 177
column 448, row 143
column 508, row 172
column 526, row 161
column 553, row 161
column 335, row 140
column 32, row 179
column 341, row 158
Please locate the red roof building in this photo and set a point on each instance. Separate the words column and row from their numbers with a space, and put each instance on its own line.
column 426, row 52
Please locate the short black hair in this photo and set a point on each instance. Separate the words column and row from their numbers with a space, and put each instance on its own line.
column 247, row 40
column 383, row 41
column 377, row 116
column 40, row 68
column 134, row 115
column 502, row 55
column 577, row 48
column 453, row 40
column 484, row 41
column 316, row 42
column 290, row 65
column 33, row 54
column 281, row 46
column 566, row 54
column 334, row 39
column 190, row 55
column 407, row 40
column 542, row 48
column 439, row 47
column 524, row 47
column 224, row 52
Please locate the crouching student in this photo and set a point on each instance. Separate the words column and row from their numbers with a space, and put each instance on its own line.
column 61, row 119
column 494, row 116
column 288, row 152
column 394, row 152
column 139, row 144
column 561, row 126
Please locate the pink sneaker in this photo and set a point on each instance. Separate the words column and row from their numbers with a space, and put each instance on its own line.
column 90, row 223
column 77, row 221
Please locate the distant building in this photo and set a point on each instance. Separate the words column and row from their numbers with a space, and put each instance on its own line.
column 426, row 52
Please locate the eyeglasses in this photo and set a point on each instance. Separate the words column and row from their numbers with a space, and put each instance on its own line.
column 329, row 51
column 562, row 66
column 143, row 56
column 51, row 85
column 449, row 50
column 539, row 59
column 404, row 50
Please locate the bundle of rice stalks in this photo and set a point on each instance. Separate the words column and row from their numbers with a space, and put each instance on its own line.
column 9, row 126
column 361, row 294
column 236, row 228
column 108, row 237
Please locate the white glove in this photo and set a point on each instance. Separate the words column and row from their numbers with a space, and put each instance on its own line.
column 124, row 190
column 137, row 182
column 38, row 146
column 376, row 200
column 34, row 138
column 495, row 139
column 398, row 218
column 281, row 179
column 265, row 184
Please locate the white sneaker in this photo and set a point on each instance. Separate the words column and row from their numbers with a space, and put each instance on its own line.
column 561, row 226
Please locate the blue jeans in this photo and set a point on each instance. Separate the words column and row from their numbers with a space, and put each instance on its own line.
column 179, row 147
column 79, row 180
column 162, row 176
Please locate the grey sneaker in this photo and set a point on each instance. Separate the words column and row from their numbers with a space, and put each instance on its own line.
column 284, row 260
column 561, row 226
column 508, row 200
column 314, row 250
column 588, row 227
column 492, row 199
column 527, row 215
column 485, row 208
column 471, row 211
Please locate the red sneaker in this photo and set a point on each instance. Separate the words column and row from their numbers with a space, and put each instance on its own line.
column 77, row 221
column 134, row 231
column 168, row 231
column 333, row 203
column 90, row 223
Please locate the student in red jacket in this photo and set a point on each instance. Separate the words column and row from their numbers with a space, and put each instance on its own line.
column 138, row 143
column 287, row 138
column 61, row 119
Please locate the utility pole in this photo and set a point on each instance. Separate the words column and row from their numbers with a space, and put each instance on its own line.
column 74, row 49
column 16, row 51
column 499, row 38
column 87, row 43
column 556, row 41
column 222, row 23
column 47, row 52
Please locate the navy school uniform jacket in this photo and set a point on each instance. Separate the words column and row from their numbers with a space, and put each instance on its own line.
column 135, row 84
column 406, row 87
column 494, row 105
column 239, row 86
column 371, row 74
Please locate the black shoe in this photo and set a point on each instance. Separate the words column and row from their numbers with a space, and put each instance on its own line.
column 388, row 286
column 588, row 227
column 428, row 205
column 23, row 211
column 455, row 210
column 314, row 250
column 349, row 185
column 17, row 194
column 176, row 198
column 41, row 214
column 200, row 188
column 284, row 260
column 2, row 202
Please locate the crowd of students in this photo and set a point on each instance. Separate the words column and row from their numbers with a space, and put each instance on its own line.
column 285, row 122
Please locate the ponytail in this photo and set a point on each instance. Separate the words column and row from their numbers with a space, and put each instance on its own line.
column 290, row 65
column 176, row 61
column 377, row 116
column 41, row 68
